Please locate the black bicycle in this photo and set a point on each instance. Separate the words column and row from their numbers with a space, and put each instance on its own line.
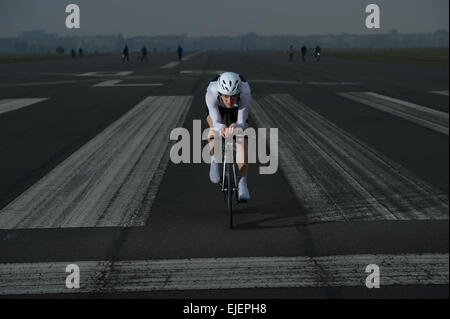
column 317, row 55
column 229, row 177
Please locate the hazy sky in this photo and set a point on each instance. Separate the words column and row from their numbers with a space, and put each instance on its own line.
column 222, row 17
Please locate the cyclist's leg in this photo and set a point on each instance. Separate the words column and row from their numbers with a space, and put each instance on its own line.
column 242, row 153
column 242, row 163
column 212, row 135
column 214, row 169
column 241, row 147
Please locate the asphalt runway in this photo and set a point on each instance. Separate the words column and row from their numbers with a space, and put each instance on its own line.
column 86, row 179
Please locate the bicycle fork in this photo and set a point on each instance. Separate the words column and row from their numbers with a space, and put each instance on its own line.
column 229, row 148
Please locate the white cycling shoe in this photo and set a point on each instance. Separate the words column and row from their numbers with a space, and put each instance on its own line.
column 214, row 172
column 243, row 194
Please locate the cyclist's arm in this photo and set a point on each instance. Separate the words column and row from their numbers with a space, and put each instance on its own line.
column 244, row 106
column 213, row 108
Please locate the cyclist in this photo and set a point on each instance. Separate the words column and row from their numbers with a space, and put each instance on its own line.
column 229, row 90
column 317, row 52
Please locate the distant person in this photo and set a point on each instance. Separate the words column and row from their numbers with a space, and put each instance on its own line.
column 144, row 54
column 125, row 54
column 80, row 52
column 304, row 53
column 74, row 54
column 291, row 53
column 180, row 52
column 317, row 53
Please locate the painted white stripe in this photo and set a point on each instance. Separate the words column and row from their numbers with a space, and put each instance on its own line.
column 418, row 114
column 37, row 83
column 170, row 65
column 111, row 180
column 51, row 73
column 336, row 177
column 175, row 63
column 190, row 56
column 440, row 92
column 201, row 72
column 115, row 83
column 8, row 105
column 106, row 73
column 224, row 273
column 302, row 82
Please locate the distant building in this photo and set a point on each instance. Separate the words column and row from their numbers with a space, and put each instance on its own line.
column 39, row 40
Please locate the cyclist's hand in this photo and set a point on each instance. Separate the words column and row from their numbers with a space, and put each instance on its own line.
column 231, row 129
column 227, row 131
column 223, row 131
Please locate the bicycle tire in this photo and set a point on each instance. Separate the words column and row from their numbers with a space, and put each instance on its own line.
column 230, row 193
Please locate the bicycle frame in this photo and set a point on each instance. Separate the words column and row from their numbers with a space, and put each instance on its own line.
column 229, row 176
column 228, row 149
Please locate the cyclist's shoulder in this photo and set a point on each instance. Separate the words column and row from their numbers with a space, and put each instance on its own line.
column 212, row 89
column 245, row 89
column 213, row 84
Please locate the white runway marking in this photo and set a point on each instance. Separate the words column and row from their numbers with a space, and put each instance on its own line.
column 201, row 72
column 302, row 82
column 175, row 63
column 37, row 83
column 336, row 177
column 8, row 105
column 224, row 273
column 170, row 65
column 418, row 114
column 116, row 83
column 106, row 73
column 51, row 73
column 109, row 181
column 440, row 92
column 190, row 56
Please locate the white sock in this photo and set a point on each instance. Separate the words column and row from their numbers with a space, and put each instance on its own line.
column 243, row 189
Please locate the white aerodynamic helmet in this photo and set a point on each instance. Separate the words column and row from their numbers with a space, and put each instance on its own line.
column 229, row 83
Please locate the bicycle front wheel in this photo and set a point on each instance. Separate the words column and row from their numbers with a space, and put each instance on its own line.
column 230, row 193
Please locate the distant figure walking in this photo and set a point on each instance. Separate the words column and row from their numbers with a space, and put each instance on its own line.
column 180, row 52
column 125, row 54
column 74, row 54
column 144, row 54
column 291, row 53
column 303, row 53
column 80, row 52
